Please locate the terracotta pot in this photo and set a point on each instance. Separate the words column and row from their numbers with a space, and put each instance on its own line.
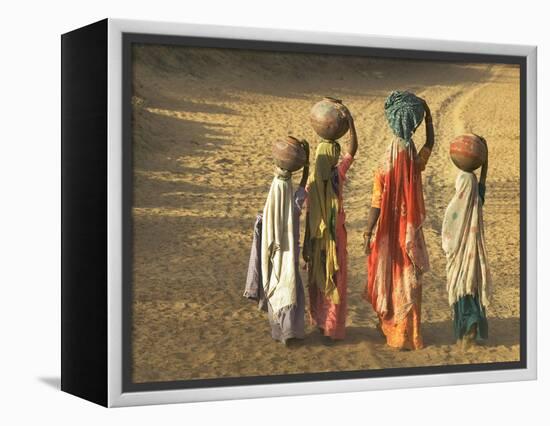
column 468, row 152
column 328, row 120
column 289, row 154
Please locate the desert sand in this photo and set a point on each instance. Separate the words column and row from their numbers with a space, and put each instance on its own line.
column 204, row 121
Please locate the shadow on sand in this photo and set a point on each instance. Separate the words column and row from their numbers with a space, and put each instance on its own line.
column 502, row 332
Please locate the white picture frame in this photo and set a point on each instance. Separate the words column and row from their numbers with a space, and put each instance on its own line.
column 116, row 396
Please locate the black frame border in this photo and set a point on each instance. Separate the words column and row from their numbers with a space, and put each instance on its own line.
column 127, row 202
column 84, row 184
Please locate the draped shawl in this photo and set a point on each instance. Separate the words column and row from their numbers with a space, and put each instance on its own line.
column 278, row 248
column 398, row 252
column 320, row 238
column 463, row 238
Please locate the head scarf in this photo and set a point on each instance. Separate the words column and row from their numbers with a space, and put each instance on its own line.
column 404, row 112
column 320, row 239
column 463, row 238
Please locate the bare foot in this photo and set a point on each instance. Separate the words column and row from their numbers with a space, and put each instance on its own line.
column 472, row 334
column 380, row 331
column 470, row 337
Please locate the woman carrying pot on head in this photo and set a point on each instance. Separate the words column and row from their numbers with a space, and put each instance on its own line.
column 463, row 240
column 396, row 250
column 273, row 274
column 325, row 242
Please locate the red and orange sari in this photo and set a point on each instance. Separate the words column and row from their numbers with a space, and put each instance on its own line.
column 398, row 255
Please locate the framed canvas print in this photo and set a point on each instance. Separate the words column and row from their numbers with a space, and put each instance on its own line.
column 251, row 212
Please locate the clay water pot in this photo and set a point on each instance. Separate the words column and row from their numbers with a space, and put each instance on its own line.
column 289, row 154
column 328, row 120
column 468, row 152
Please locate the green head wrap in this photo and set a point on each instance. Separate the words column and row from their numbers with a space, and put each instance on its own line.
column 404, row 112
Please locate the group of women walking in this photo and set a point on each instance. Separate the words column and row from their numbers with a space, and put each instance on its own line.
column 395, row 249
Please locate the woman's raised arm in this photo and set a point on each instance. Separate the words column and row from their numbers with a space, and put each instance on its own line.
column 305, row 171
column 352, row 146
column 430, row 137
column 485, row 167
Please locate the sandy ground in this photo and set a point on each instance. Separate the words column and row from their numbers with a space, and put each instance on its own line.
column 204, row 121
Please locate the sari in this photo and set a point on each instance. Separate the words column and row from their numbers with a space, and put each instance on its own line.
column 287, row 322
column 463, row 240
column 398, row 255
column 325, row 242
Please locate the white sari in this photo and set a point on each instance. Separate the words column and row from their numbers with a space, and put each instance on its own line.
column 463, row 238
column 277, row 252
